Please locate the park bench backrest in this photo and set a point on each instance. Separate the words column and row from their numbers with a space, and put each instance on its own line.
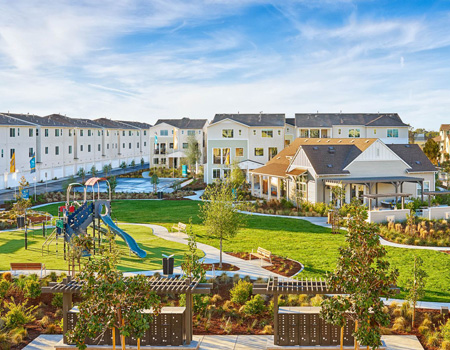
column 26, row 266
column 264, row 252
column 181, row 226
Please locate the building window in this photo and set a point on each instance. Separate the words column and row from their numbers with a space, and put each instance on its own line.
column 46, row 150
column 145, row 132
column 70, row 149
column 239, row 152
column 374, row 131
column 259, row 152
column 2, row 153
column 107, row 132
column 304, row 133
column 426, row 187
column 216, row 173
column 267, row 133
column 354, row 133
column 227, row 133
column 254, row 132
column 57, row 150
column 89, row 148
column 145, row 143
column 98, row 133
column 279, row 132
column 216, row 156
column 18, row 131
column 30, row 151
column 81, row 132
column 339, row 131
column 89, row 133
column 392, row 132
column 99, row 148
column 11, row 152
column 107, row 146
column 191, row 132
column 56, row 132
column 164, row 132
column 226, row 173
column 129, row 145
column 37, row 132
column 12, row 132
column 155, row 160
column 314, row 133
column 70, row 132
column 130, row 133
column 123, row 132
column 163, row 160
column 137, row 133
column 273, row 151
column 123, row 145
column 185, row 145
column 240, row 132
column 81, row 148
column 171, row 145
column 137, row 145
column 30, row 132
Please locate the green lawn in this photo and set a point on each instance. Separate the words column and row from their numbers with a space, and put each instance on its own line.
column 312, row 245
column 12, row 250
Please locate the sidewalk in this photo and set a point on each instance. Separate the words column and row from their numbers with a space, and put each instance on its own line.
column 239, row 342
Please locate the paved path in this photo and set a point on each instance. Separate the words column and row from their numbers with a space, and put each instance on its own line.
column 246, row 268
column 239, row 342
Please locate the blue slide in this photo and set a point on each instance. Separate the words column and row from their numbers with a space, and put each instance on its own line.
column 132, row 244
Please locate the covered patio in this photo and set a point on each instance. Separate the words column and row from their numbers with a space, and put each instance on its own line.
column 371, row 187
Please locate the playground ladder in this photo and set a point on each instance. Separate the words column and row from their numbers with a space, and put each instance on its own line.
column 51, row 237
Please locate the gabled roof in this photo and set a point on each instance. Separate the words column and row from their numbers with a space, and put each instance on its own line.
column 327, row 120
column 35, row 119
column 71, row 122
column 413, row 155
column 7, row 120
column 290, row 121
column 112, row 124
column 184, row 123
column 276, row 120
column 139, row 125
column 444, row 127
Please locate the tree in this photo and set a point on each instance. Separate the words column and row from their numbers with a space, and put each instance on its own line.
column 123, row 165
column 112, row 301
column 81, row 173
column 193, row 152
column 416, row 285
column 142, row 162
column 133, row 163
column 78, row 246
column 220, row 215
column 113, row 184
column 105, row 169
column 154, row 180
column 22, row 204
column 363, row 275
column 191, row 264
column 94, row 170
column 237, row 175
column 431, row 149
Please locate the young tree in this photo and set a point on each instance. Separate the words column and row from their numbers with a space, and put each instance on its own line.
column 105, row 170
column 219, row 214
column 22, row 204
column 431, row 149
column 416, row 285
column 94, row 171
column 81, row 173
column 363, row 274
column 191, row 264
column 193, row 152
column 142, row 162
column 237, row 175
column 133, row 163
column 154, row 180
column 113, row 184
column 123, row 165
column 112, row 301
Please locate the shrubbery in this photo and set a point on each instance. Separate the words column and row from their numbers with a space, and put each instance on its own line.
column 241, row 292
column 254, row 306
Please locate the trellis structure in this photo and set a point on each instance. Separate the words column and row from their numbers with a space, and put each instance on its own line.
column 159, row 285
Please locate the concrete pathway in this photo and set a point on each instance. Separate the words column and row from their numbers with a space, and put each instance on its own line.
column 239, row 342
column 212, row 255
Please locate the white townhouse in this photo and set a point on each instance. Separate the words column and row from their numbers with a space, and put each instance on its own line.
column 249, row 139
column 169, row 140
column 388, row 127
column 64, row 145
column 363, row 166
column 289, row 131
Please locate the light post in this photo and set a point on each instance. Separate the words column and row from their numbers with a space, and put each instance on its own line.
column 46, row 182
column 34, row 178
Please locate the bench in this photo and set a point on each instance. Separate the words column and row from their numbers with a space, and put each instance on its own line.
column 261, row 253
column 27, row 266
column 180, row 227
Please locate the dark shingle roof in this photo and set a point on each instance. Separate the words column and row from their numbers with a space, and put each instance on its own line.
column 35, row 119
column 72, row 122
column 413, row 155
column 290, row 121
column 327, row 120
column 7, row 120
column 331, row 159
column 253, row 119
column 111, row 124
column 139, row 125
column 184, row 123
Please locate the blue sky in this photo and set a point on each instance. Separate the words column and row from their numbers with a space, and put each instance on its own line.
column 143, row 60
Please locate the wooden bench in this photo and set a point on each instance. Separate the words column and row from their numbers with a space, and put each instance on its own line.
column 27, row 266
column 261, row 253
column 180, row 227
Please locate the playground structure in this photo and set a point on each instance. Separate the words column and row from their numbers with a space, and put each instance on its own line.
column 76, row 218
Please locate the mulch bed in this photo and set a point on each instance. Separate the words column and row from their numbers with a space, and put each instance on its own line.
column 225, row 267
column 282, row 266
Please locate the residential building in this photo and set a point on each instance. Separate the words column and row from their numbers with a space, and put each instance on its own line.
column 63, row 145
column 250, row 140
column 289, row 131
column 309, row 168
column 169, row 140
column 444, row 141
column 389, row 127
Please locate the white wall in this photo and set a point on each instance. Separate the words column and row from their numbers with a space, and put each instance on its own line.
column 379, row 216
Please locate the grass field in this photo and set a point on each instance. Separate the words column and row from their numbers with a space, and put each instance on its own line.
column 312, row 245
column 12, row 250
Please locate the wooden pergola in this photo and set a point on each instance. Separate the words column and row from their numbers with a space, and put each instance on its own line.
column 434, row 194
column 159, row 285
column 386, row 195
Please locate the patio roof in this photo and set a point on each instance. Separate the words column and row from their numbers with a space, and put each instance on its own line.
column 365, row 180
column 386, row 195
column 435, row 193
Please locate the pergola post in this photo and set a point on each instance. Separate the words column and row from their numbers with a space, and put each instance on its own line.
column 275, row 313
column 189, row 304
column 67, row 306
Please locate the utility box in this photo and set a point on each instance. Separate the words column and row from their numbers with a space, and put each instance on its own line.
column 168, row 263
column 160, row 194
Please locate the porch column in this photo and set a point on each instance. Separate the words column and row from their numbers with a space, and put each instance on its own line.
column 261, row 194
column 421, row 192
column 376, row 192
column 252, row 182
column 269, row 188
column 278, row 188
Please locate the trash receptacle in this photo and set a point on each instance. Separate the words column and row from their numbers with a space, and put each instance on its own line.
column 168, row 262
column 160, row 195
column 20, row 221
